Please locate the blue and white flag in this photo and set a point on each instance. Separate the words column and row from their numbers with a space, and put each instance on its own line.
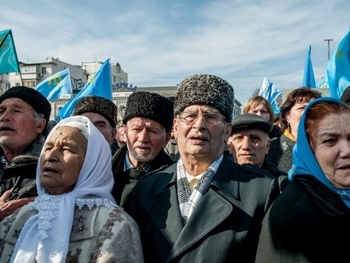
column 99, row 85
column 270, row 92
column 309, row 77
column 56, row 86
column 8, row 55
column 338, row 68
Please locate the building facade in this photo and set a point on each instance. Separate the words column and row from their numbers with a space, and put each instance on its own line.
column 34, row 73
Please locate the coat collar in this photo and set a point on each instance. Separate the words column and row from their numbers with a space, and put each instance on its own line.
column 216, row 204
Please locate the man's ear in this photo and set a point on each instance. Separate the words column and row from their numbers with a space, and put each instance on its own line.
column 40, row 125
column 167, row 139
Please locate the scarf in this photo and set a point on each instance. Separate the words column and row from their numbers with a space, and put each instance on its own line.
column 187, row 200
column 304, row 161
column 45, row 236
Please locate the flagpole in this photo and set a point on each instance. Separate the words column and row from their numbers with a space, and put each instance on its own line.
column 19, row 68
column 329, row 51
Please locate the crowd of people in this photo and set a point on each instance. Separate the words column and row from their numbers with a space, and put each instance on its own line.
column 177, row 179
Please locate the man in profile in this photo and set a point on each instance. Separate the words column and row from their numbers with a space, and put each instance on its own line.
column 24, row 114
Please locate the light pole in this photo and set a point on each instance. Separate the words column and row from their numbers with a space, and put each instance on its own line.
column 329, row 54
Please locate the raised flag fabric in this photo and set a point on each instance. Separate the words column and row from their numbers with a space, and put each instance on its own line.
column 8, row 55
column 338, row 68
column 99, row 85
column 270, row 92
column 309, row 77
column 56, row 86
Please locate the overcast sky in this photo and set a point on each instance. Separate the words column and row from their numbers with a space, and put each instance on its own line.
column 161, row 42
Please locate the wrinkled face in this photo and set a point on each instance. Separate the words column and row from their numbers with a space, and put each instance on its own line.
column 102, row 124
column 203, row 139
column 62, row 159
column 145, row 138
column 250, row 146
column 19, row 126
column 332, row 148
column 294, row 115
column 261, row 111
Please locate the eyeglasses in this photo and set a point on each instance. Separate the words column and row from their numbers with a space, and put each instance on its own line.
column 191, row 117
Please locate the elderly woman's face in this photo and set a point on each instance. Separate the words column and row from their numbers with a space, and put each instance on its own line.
column 332, row 148
column 62, row 160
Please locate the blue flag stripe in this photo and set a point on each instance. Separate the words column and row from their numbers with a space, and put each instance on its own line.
column 99, row 85
column 56, row 86
column 8, row 55
column 338, row 68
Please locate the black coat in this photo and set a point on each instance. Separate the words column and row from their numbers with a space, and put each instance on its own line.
column 21, row 173
column 306, row 223
column 123, row 183
column 225, row 225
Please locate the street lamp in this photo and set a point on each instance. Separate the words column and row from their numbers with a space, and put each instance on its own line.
column 329, row 54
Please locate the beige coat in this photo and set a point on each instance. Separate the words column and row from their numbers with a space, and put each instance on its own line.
column 98, row 235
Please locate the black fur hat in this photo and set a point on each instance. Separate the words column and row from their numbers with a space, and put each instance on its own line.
column 150, row 105
column 205, row 89
column 98, row 105
column 33, row 97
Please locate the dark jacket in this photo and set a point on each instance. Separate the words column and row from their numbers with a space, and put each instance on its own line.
column 225, row 225
column 281, row 176
column 20, row 174
column 280, row 153
column 123, row 182
column 306, row 223
column 172, row 150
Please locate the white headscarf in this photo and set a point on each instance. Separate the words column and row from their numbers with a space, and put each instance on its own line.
column 45, row 236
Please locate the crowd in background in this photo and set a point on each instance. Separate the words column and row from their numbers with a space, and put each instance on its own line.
column 177, row 180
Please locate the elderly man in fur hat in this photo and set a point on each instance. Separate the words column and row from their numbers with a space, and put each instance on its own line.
column 148, row 121
column 24, row 114
column 205, row 207
column 102, row 113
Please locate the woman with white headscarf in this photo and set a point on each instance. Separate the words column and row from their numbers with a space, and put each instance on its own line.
column 74, row 218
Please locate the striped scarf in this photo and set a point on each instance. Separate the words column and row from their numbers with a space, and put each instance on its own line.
column 187, row 200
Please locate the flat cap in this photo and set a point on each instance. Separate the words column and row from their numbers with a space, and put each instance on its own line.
column 250, row 121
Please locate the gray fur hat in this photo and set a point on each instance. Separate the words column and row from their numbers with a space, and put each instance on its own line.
column 249, row 121
column 98, row 105
column 205, row 89
column 150, row 105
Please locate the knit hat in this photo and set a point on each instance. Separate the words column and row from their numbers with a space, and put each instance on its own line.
column 33, row 97
column 250, row 121
column 206, row 90
column 98, row 105
column 149, row 105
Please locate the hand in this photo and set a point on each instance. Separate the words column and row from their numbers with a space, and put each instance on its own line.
column 7, row 207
